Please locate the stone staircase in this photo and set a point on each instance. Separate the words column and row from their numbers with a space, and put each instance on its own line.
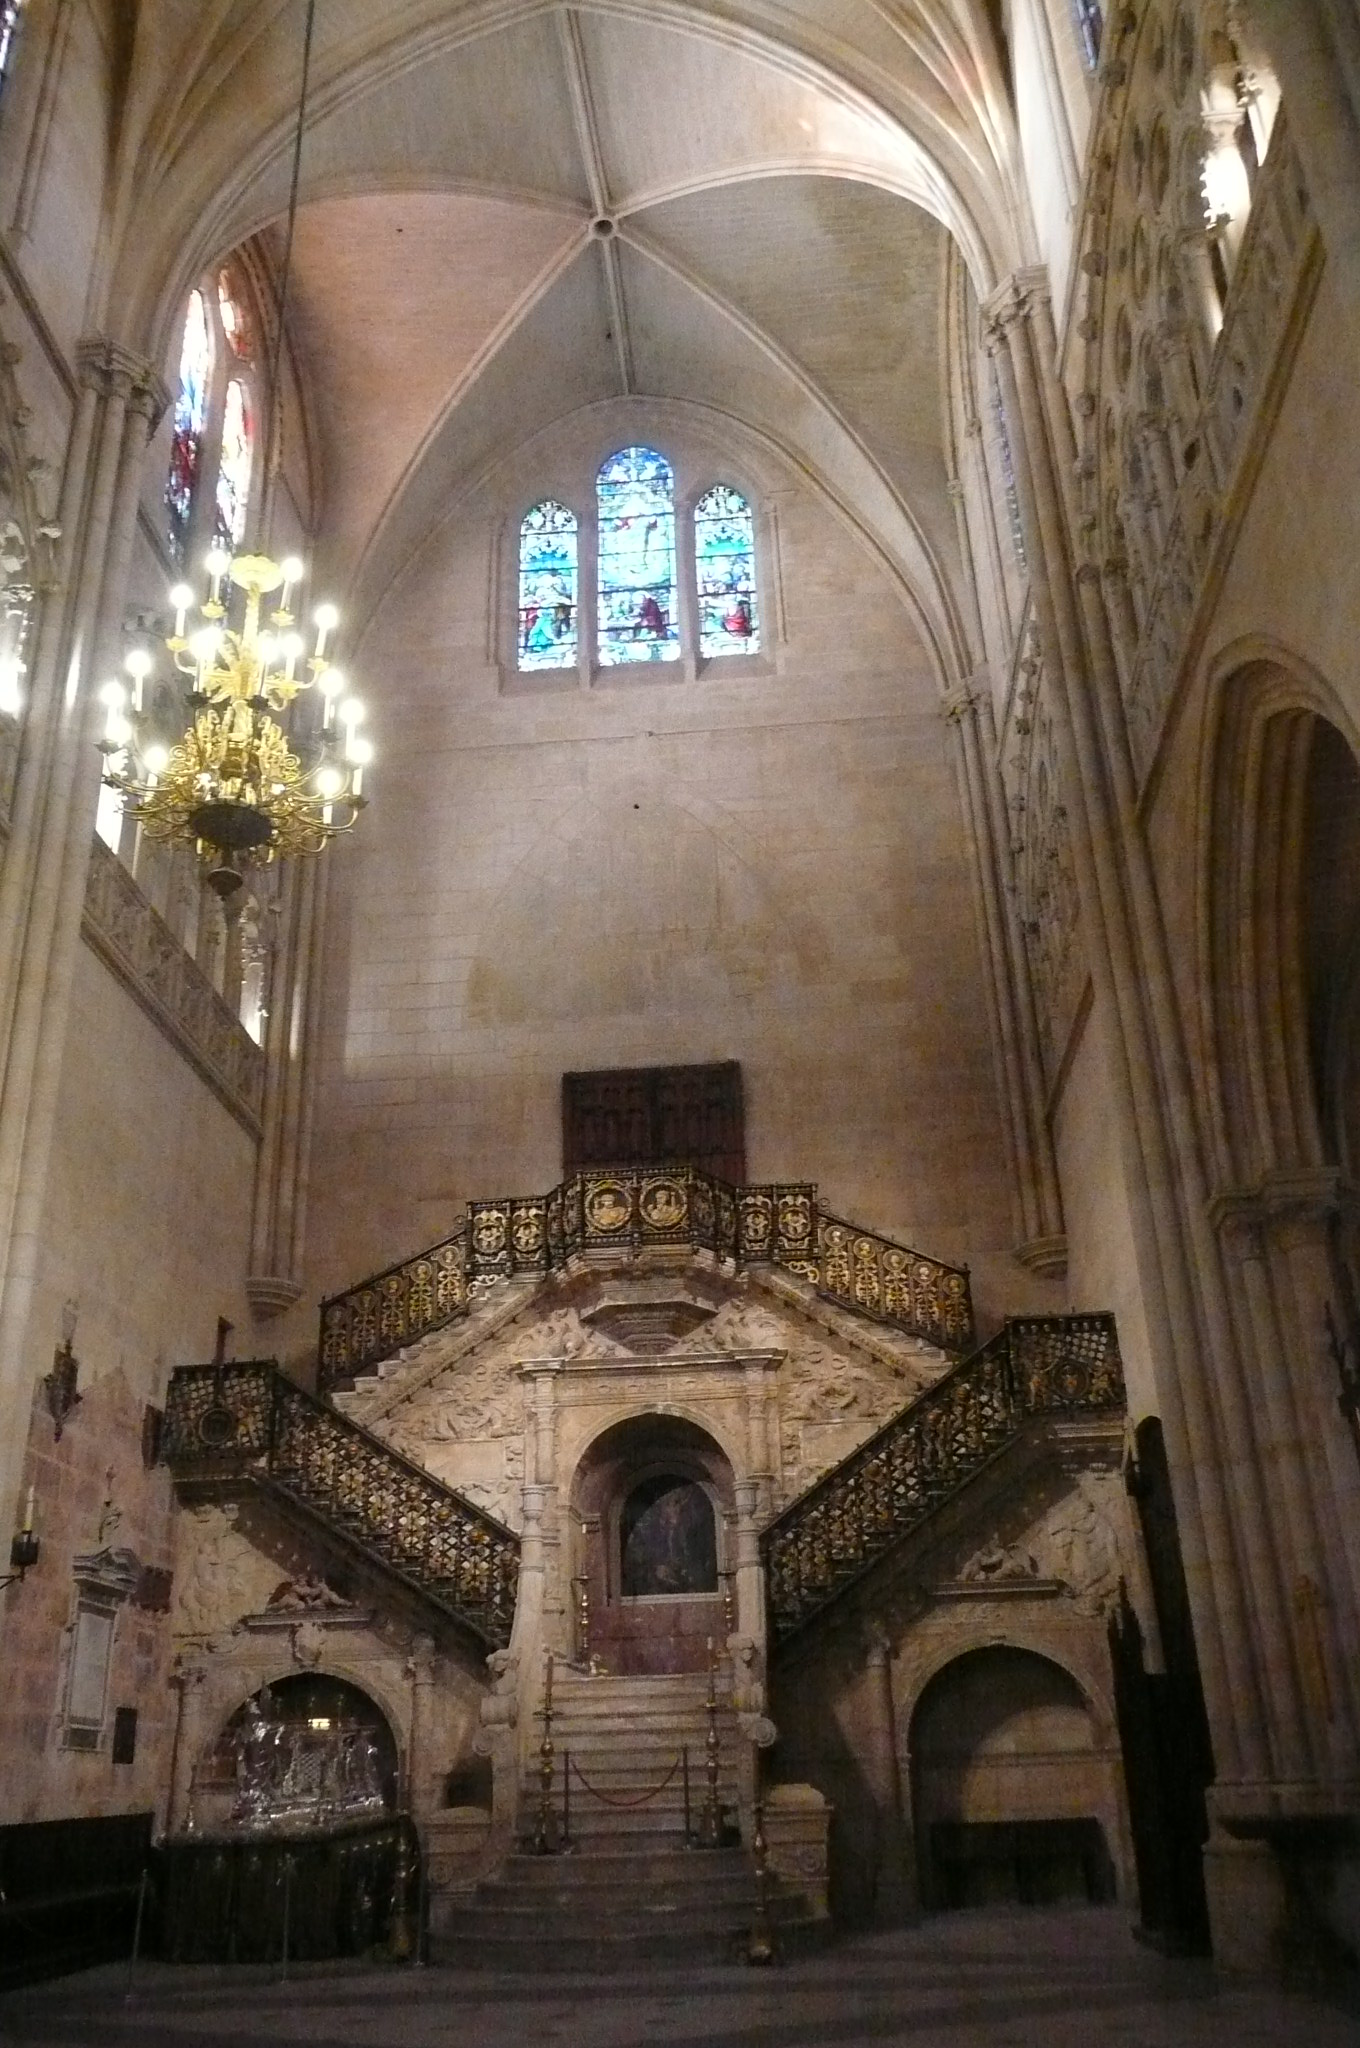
column 629, row 1887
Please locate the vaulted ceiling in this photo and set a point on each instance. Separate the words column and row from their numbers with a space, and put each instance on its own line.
column 514, row 210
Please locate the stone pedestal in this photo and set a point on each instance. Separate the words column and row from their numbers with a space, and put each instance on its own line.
column 797, row 1830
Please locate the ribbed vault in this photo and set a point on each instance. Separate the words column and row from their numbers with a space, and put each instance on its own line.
column 517, row 207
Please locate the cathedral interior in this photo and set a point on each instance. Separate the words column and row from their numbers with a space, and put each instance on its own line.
column 680, row 992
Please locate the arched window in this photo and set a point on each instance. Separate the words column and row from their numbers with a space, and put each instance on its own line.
column 215, row 427
column 235, row 324
column 1090, row 17
column 235, row 466
column 548, row 594
column 635, row 494
column 10, row 11
column 725, row 561
column 190, row 420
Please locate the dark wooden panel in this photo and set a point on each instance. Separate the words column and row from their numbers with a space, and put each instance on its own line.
column 640, row 1116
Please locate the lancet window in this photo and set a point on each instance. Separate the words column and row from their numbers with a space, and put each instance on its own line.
column 189, row 423
column 11, row 12
column 1090, row 20
column 548, row 593
column 635, row 498
column 725, row 565
column 214, row 428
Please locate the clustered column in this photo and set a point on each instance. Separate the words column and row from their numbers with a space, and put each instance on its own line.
column 1238, row 1462
column 42, row 889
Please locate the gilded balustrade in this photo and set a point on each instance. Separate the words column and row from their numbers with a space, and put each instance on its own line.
column 840, row 1528
column 628, row 1210
column 249, row 1421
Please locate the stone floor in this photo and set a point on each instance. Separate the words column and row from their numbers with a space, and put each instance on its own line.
column 1010, row 1980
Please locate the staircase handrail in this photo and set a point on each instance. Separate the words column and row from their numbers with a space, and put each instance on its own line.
column 637, row 1208
column 847, row 1520
column 248, row 1419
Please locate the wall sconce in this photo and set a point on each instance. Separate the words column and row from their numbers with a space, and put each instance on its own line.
column 23, row 1547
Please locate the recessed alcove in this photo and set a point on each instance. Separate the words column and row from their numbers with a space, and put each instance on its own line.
column 650, row 1503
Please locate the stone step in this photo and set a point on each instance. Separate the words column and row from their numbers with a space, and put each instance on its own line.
column 632, row 1864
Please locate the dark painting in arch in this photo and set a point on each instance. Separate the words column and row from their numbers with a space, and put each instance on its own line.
column 668, row 1538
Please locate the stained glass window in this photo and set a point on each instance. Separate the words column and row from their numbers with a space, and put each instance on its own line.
column 1090, row 27
column 233, row 472
column 10, row 11
column 636, row 497
column 547, row 587
column 190, row 418
column 725, row 558
column 235, row 325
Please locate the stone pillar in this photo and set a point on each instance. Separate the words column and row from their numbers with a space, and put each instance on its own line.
column 750, row 1578
column 421, row 1793
column 1211, row 1569
column 1041, row 1241
column 895, row 1898
column 1256, row 1634
column 43, row 891
column 278, row 1229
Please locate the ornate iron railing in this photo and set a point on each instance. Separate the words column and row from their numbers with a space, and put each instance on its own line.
column 634, row 1209
column 249, row 1422
column 856, row 1513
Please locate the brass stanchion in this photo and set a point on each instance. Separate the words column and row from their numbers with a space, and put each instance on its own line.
column 710, row 1828
column 760, row 1944
column 287, row 1911
column 684, row 1768
column 401, row 1941
column 566, row 1843
column 581, row 1585
column 545, row 1835
column 136, row 1935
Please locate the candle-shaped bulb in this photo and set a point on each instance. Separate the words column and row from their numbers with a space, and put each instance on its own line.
column 28, row 1512
column 181, row 597
column 326, row 619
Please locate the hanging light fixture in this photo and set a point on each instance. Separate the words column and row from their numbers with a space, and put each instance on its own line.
column 234, row 785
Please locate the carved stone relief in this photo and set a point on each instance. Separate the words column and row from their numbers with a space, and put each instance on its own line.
column 220, row 1575
column 1043, row 865
column 1189, row 309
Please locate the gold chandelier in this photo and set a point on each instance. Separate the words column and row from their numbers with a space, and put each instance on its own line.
column 232, row 785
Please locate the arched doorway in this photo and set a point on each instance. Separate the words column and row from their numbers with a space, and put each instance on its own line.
column 650, row 1506
column 1012, row 1794
column 307, row 1750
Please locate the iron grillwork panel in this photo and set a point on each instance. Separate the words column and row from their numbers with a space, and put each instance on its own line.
column 632, row 1209
column 848, row 1521
column 249, row 1422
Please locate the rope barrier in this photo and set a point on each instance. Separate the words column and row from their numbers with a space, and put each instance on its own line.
column 640, row 1799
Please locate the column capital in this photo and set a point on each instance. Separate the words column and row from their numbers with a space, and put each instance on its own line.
column 1011, row 302
column 108, row 368
column 961, row 702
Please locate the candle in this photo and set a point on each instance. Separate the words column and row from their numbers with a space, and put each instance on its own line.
column 28, row 1513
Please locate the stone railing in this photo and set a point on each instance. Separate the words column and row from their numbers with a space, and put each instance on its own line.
column 249, row 1424
column 841, row 1527
column 135, row 941
column 627, row 1211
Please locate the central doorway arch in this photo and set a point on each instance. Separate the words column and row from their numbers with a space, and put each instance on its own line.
column 652, row 1502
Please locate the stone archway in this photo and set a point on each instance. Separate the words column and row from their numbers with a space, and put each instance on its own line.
column 651, row 1503
column 1010, row 1788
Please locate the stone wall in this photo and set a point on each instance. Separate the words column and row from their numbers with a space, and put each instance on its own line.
column 766, row 862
